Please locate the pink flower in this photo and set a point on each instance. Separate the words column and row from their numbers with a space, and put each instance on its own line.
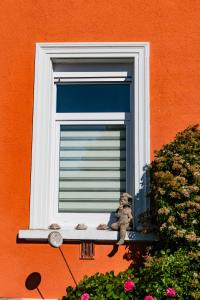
column 171, row 292
column 85, row 296
column 129, row 286
column 148, row 297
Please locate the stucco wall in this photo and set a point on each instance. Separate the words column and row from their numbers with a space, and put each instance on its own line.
column 172, row 27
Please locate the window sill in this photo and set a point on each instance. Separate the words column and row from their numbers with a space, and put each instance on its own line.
column 89, row 234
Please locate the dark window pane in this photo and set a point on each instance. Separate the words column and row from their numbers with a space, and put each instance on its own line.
column 73, row 98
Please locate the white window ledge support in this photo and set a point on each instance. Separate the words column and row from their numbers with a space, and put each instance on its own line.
column 89, row 234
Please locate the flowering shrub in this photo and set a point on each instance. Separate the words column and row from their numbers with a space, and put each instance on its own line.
column 175, row 189
column 106, row 286
column 162, row 277
column 172, row 270
column 175, row 275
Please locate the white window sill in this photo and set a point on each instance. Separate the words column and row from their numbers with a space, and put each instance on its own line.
column 89, row 234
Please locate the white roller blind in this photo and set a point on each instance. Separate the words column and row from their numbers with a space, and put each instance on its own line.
column 92, row 167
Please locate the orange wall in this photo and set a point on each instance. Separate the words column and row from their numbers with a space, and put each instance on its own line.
column 173, row 29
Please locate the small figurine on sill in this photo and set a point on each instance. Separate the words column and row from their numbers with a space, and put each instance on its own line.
column 124, row 215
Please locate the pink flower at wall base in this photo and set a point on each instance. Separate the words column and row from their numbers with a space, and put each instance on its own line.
column 148, row 297
column 129, row 286
column 85, row 296
column 171, row 292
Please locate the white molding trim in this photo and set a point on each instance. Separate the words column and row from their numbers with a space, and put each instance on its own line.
column 71, row 234
column 41, row 198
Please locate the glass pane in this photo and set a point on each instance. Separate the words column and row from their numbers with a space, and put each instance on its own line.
column 73, row 98
column 92, row 167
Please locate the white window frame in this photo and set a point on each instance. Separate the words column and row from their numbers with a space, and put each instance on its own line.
column 42, row 155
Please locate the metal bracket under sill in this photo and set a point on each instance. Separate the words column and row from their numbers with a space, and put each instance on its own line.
column 89, row 234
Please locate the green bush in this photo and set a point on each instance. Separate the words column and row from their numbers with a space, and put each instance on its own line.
column 178, row 270
column 175, row 262
column 103, row 286
column 175, row 189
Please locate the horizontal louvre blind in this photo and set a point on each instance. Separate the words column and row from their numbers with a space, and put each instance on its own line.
column 92, row 167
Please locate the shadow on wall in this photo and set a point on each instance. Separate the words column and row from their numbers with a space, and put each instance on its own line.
column 142, row 198
column 143, row 204
column 136, row 253
column 33, row 281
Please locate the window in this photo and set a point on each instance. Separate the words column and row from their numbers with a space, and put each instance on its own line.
column 92, row 125
column 90, row 132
